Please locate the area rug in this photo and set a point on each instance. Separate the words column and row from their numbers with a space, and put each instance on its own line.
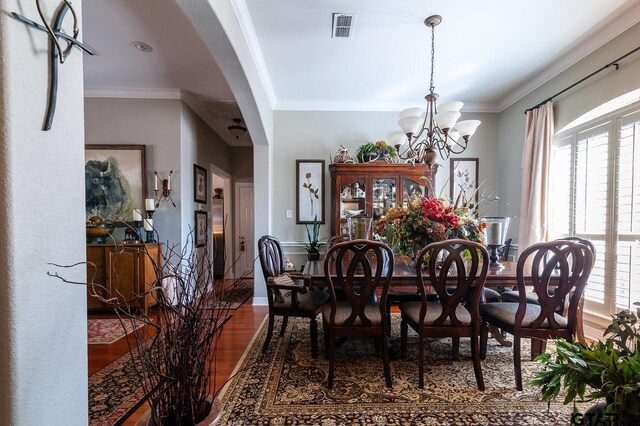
column 285, row 386
column 115, row 391
column 105, row 331
column 237, row 296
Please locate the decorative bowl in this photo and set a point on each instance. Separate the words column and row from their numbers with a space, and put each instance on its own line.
column 98, row 229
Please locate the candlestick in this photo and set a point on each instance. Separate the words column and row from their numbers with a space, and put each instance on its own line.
column 137, row 217
column 148, row 224
column 149, row 204
column 155, row 182
column 169, row 182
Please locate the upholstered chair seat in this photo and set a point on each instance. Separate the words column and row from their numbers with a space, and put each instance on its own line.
column 344, row 311
column 411, row 312
column 514, row 296
column 504, row 315
column 309, row 301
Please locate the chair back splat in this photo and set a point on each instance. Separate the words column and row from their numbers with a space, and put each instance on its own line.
column 359, row 267
column 452, row 270
column 559, row 273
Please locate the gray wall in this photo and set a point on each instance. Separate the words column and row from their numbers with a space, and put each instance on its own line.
column 175, row 139
column 318, row 134
column 151, row 122
column 43, row 331
column 242, row 163
column 604, row 87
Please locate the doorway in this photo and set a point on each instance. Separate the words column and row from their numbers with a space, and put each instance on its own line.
column 244, row 243
column 221, row 222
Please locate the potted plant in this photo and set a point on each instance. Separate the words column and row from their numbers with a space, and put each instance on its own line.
column 175, row 354
column 370, row 151
column 312, row 245
column 609, row 371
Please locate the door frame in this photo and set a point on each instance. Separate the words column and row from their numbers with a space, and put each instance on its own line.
column 226, row 203
column 236, row 216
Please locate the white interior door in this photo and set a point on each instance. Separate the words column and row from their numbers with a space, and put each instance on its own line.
column 244, row 244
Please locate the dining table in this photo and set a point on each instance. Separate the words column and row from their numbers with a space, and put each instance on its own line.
column 405, row 279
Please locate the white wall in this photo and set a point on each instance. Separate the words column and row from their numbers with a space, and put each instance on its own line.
column 43, row 331
column 318, row 135
column 604, row 87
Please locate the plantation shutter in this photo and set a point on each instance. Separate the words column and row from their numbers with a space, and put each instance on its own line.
column 627, row 232
column 591, row 203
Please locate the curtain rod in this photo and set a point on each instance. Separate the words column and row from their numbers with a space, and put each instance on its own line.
column 609, row 65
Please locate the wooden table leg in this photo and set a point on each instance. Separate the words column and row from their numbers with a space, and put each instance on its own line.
column 497, row 334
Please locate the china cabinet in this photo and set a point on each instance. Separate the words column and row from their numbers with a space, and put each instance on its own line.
column 371, row 189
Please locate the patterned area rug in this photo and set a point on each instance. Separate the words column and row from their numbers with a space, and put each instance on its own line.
column 115, row 391
column 105, row 331
column 285, row 386
column 235, row 298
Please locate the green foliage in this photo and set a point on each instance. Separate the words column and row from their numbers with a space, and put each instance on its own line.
column 313, row 243
column 609, row 370
column 380, row 149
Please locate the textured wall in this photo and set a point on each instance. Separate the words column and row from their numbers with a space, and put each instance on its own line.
column 43, row 332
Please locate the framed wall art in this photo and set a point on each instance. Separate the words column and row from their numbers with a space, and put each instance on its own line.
column 201, row 225
column 309, row 191
column 115, row 181
column 463, row 177
column 199, row 184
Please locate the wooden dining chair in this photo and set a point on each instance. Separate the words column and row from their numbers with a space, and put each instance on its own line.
column 458, row 281
column 514, row 296
column 287, row 296
column 357, row 269
column 559, row 273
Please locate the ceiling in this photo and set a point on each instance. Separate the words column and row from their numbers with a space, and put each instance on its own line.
column 487, row 57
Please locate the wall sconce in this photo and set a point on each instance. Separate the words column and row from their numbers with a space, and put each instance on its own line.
column 237, row 129
column 165, row 191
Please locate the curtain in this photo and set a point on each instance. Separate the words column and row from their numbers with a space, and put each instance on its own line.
column 536, row 171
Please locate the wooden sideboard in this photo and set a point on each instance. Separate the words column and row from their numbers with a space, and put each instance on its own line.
column 373, row 188
column 126, row 270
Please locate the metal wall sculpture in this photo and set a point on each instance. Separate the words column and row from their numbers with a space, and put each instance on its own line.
column 56, row 51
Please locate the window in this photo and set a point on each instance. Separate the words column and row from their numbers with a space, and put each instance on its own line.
column 596, row 195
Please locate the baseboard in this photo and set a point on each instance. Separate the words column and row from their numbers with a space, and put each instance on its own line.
column 260, row 301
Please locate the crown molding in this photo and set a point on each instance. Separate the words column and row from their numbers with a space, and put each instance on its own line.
column 132, row 93
column 248, row 30
column 369, row 106
column 617, row 26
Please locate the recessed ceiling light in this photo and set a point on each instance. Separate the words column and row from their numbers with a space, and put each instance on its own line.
column 141, row 46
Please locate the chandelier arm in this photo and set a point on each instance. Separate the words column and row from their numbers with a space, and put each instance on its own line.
column 462, row 147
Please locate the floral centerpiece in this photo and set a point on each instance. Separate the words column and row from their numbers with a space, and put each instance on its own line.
column 426, row 220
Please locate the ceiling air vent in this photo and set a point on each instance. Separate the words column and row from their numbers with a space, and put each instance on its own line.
column 343, row 25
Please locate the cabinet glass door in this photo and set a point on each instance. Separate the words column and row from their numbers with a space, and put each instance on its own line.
column 384, row 197
column 413, row 188
column 352, row 201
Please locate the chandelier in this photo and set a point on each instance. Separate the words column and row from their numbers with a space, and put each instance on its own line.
column 237, row 129
column 436, row 130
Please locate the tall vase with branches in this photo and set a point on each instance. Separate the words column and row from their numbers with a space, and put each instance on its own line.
column 177, row 348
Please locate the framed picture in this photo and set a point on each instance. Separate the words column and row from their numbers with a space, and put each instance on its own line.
column 199, row 184
column 201, row 228
column 115, row 181
column 463, row 177
column 309, row 191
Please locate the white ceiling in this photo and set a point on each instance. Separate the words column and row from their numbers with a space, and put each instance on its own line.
column 488, row 54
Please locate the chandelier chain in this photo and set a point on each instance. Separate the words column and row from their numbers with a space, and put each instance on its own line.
column 433, row 53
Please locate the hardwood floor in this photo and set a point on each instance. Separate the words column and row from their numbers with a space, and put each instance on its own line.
column 236, row 336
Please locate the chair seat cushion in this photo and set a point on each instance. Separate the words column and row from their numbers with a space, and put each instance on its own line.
column 411, row 311
column 491, row 295
column 343, row 312
column 514, row 296
column 309, row 301
column 505, row 314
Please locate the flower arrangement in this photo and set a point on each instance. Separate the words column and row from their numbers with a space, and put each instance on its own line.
column 426, row 220
column 370, row 151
